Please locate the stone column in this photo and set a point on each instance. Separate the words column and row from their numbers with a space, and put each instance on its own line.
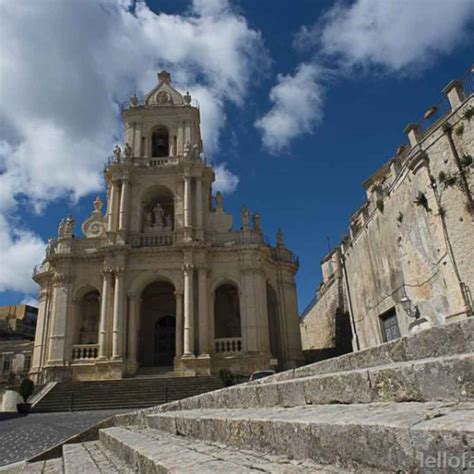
column 179, row 323
column 261, row 301
column 117, row 329
column 188, row 310
column 203, row 312
column 248, row 312
column 124, row 198
column 112, row 208
column 132, row 327
column 40, row 334
column 187, row 207
column 199, row 209
column 57, row 336
column 105, row 301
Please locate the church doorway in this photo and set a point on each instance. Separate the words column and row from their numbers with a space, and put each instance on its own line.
column 157, row 332
column 165, row 341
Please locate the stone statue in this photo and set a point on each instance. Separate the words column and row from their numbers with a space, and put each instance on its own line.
column 167, row 221
column 219, row 200
column 148, row 219
column 280, row 238
column 98, row 204
column 244, row 216
column 127, row 151
column 134, row 100
column 187, row 98
column 159, row 213
column 61, row 228
column 69, row 226
column 256, row 222
column 117, row 154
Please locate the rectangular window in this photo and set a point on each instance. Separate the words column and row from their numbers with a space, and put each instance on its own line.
column 389, row 323
column 6, row 365
column 26, row 367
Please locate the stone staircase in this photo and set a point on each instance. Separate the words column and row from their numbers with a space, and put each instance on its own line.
column 124, row 394
column 405, row 406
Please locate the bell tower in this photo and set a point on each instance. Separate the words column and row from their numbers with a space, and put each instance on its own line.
column 159, row 187
column 164, row 123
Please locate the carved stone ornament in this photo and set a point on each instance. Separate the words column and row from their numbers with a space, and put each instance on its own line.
column 94, row 226
column 244, row 216
column 117, row 154
column 128, row 152
column 219, row 221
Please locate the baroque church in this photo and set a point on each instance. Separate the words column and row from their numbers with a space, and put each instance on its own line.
column 162, row 279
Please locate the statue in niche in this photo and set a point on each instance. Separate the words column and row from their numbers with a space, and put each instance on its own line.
column 127, row 152
column 167, row 220
column 158, row 214
column 256, row 222
column 148, row 220
column 244, row 216
column 117, row 154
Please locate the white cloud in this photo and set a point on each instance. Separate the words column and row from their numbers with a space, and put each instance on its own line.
column 395, row 35
column 226, row 182
column 297, row 107
column 402, row 36
column 20, row 250
column 64, row 67
column 30, row 301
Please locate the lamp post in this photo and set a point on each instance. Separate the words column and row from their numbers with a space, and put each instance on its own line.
column 410, row 309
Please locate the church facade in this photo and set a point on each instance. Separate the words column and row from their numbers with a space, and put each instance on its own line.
column 161, row 279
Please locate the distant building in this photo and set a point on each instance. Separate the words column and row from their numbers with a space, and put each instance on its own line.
column 324, row 324
column 15, row 360
column 18, row 321
column 407, row 263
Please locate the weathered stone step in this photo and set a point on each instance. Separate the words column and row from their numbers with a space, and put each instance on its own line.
column 91, row 458
column 386, row 436
column 445, row 340
column 151, row 451
column 438, row 378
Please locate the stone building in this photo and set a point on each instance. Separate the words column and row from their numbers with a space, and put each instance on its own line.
column 15, row 360
column 324, row 324
column 407, row 263
column 162, row 280
column 18, row 321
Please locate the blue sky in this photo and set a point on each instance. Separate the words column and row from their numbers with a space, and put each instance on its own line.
column 350, row 75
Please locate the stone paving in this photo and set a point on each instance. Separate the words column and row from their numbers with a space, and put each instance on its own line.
column 24, row 437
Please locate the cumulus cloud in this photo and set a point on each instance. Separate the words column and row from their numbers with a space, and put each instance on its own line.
column 396, row 35
column 64, row 69
column 226, row 182
column 297, row 107
column 392, row 36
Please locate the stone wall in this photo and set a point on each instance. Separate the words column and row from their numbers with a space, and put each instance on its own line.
column 410, row 248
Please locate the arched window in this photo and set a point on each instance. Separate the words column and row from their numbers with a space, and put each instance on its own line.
column 227, row 311
column 90, row 317
column 274, row 324
column 160, row 142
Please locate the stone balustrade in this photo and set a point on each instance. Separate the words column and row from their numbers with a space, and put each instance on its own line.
column 228, row 345
column 158, row 239
column 85, row 351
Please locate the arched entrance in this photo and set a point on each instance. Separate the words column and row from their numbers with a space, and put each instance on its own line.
column 157, row 332
column 274, row 325
column 164, row 347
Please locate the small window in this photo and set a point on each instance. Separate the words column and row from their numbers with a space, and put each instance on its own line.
column 390, row 328
column 6, row 365
column 27, row 366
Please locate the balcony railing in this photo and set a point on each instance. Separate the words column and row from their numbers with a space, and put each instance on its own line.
column 228, row 345
column 85, row 351
column 159, row 239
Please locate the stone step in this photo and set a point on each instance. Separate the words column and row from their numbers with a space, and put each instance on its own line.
column 92, row 458
column 438, row 378
column 445, row 340
column 151, row 451
column 382, row 436
column 126, row 393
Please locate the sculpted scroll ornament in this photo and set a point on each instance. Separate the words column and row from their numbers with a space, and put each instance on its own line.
column 94, row 226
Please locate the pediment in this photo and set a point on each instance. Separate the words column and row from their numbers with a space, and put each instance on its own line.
column 164, row 94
